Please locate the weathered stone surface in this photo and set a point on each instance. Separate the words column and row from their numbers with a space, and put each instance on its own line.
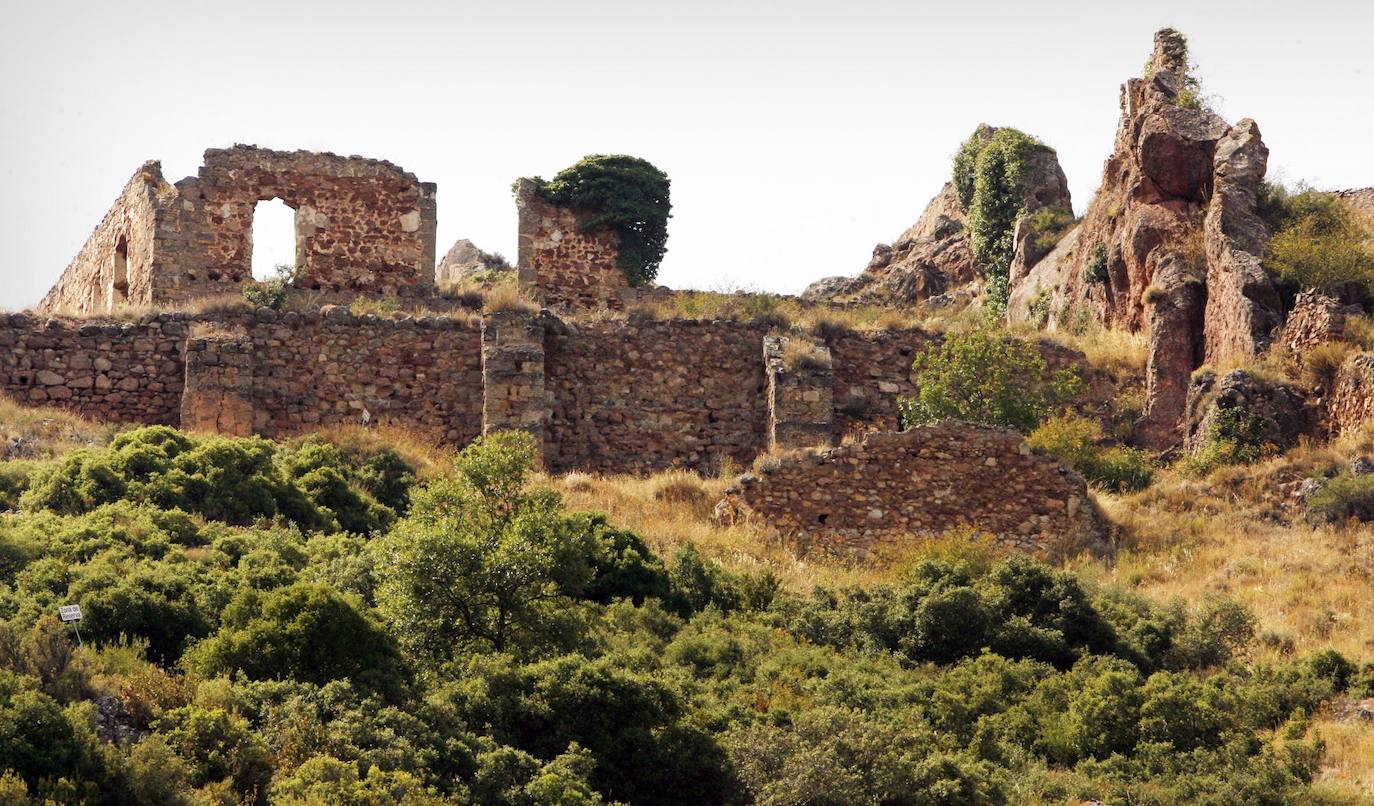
column 1280, row 412
column 1361, row 203
column 362, row 225
column 562, row 263
column 513, row 392
column 1175, row 215
column 924, row 481
column 801, row 409
column 1351, row 403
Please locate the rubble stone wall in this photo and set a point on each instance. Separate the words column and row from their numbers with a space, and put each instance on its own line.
column 564, row 265
column 647, row 395
column 127, row 372
column 1351, row 403
column 924, row 481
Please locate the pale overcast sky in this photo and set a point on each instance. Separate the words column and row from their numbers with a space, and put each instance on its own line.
column 796, row 134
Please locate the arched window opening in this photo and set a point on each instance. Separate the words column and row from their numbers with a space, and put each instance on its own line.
column 273, row 240
column 119, row 279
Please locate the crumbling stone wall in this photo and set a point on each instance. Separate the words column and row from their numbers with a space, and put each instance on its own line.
column 1351, row 403
column 513, row 389
column 115, row 266
column 127, row 372
column 218, row 397
column 871, row 370
column 362, row 225
column 801, row 385
column 1315, row 318
column 924, row 481
column 564, row 265
column 646, row 395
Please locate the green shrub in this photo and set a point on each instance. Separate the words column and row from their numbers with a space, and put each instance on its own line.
column 1342, row 499
column 985, row 377
column 1235, row 437
column 1049, row 225
column 1317, row 242
column 627, row 194
column 1077, row 442
column 1038, row 311
column 990, row 178
column 272, row 292
column 1096, row 269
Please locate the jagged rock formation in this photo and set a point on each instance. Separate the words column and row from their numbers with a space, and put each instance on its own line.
column 1171, row 243
column 933, row 256
column 465, row 260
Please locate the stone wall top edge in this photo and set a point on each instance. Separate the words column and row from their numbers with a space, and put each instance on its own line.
column 248, row 155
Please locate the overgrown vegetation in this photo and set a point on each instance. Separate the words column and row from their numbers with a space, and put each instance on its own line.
column 1049, row 225
column 1317, row 242
column 987, row 377
column 1096, row 269
column 1234, row 437
column 990, row 177
column 272, row 292
column 627, row 194
column 1080, row 443
column 493, row 648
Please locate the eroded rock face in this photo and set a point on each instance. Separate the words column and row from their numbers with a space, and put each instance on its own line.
column 933, row 256
column 1175, row 216
column 1315, row 318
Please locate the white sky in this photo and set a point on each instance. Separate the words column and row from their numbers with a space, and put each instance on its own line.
column 796, row 134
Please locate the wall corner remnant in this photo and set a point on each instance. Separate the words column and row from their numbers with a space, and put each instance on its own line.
column 562, row 262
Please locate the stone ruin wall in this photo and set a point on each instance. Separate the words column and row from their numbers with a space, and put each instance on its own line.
column 115, row 267
column 362, row 226
column 606, row 396
column 564, row 265
column 924, row 481
column 117, row 372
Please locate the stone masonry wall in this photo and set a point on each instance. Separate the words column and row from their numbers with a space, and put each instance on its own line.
column 1351, row 403
column 127, row 372
column 115, row 266
column 801, row 406
column 646, row 395
column 1315, row 318
column 513, row 385
column 563, row 265
column 920, row 482
column 362, row 226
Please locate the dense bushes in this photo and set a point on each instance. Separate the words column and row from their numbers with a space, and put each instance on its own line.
column 627, row 194
column 986, row 377
column 1316, row 241
column 1079, row 443
column 491, row 648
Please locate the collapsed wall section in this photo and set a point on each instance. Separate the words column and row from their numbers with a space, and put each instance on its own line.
column 645, row 395
column 116, row 372
column 924, row 481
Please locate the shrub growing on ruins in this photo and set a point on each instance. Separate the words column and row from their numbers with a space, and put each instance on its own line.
column 272, row 292
column 1317, row 242
column 986, row 377
column 627, row 194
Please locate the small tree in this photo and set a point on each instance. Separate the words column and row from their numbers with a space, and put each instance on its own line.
column 986, row 377
column 483, row 562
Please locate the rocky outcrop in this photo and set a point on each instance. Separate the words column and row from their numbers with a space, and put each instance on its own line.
column 933, row 256
column 465, row 260
column 1271, row 413
column 1171, row 242
column 1361, row 203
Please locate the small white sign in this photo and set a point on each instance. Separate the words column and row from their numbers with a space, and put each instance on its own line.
column 69, row 612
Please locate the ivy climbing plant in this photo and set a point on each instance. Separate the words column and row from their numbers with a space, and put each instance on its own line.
column 627, row 194
column 990, row 177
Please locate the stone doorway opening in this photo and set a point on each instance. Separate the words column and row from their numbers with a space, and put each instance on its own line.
column 273, row 239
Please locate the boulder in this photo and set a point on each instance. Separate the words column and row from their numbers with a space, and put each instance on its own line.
column 465, row 260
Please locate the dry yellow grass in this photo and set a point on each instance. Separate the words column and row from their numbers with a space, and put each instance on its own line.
column 1347, row 768
column 40, row 432
column 430, row 459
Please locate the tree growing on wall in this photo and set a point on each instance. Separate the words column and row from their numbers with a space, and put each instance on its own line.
column 625, row 193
